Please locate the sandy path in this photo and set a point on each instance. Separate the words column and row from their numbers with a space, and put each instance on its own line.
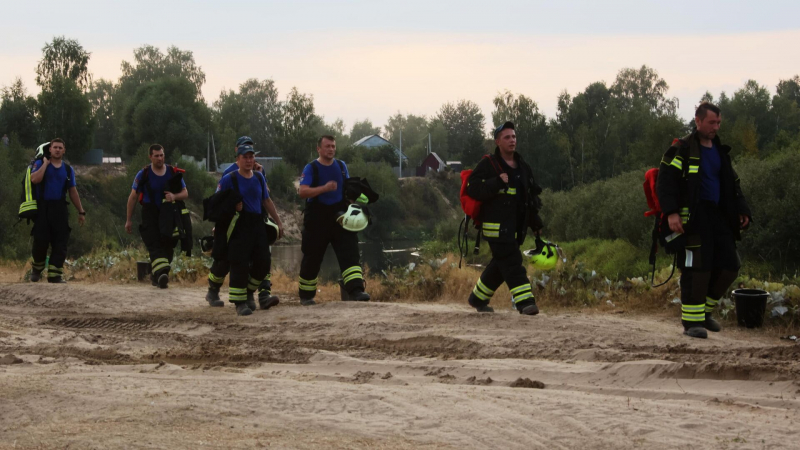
column 99, row 366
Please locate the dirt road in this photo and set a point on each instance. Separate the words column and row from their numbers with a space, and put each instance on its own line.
column 104, row 366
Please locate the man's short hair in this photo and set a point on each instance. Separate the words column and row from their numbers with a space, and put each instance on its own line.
column 323, row 137
column 155, row 148
column 704, row 108
column 53, row 141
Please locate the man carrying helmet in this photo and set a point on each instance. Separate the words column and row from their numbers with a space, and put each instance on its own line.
column 504, row 183
column 53, row 179
column 329, row 219
column 247, row 239
column 701, row 198
column 221, row 267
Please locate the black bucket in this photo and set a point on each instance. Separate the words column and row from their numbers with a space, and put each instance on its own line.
column 751, row 304
column 142, row 270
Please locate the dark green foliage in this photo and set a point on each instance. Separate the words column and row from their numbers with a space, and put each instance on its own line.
column 18, row 115
column 166, row 112
column 65, row 112
column 281, row 181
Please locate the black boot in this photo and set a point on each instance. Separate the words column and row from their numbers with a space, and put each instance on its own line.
column 163, row 281
column 251, row 301
column 242, row 309
column 36, row 275
column 359, row 295
column 696, row 332
column 527, row 307
column 712, row 325
column 212, row 296
column 480, row 305
column 266, row 300
column 307, row 302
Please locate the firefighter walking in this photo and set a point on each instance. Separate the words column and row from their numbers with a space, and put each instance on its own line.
column 322, row 186
column 504, row 183
column 246, row 236
column 706, row 210
column 220, row 267
column 151, row 188
column 52, row 179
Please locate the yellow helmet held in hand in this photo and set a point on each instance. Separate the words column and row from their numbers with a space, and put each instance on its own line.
column 545, row 255
column 354, row 219
column 272, row 230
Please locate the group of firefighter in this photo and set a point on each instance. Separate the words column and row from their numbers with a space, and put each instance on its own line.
column 702, row 206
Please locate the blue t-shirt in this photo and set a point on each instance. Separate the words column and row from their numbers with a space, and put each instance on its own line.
column 158, row 184
column 55, row 181
column 326, row 174
column 234, row 167
column 253, row 190
column 710, row 165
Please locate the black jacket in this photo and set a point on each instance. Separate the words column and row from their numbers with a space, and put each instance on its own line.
column 679, row 183
column 220, row 209
column 502, row 217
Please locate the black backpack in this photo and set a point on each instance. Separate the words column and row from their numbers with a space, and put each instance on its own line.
column 29, row 207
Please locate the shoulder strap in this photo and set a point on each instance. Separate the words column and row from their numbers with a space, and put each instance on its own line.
column 341, row 167
column 235, row 182
column 495, row 164
column 314, row 174
column 145, row 183
column 41, row 183
column 70, row 174
column 263, row 181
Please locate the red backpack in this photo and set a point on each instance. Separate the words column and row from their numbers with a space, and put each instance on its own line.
column 472, row 210
column 661, row 225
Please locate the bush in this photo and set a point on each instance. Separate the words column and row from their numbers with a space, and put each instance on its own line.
column 281, row 181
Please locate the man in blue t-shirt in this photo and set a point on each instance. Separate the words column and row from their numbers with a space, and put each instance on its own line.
column 54, row 179
column 322, row 186
column 151, row 188
column 220, row 268
column 248, row 250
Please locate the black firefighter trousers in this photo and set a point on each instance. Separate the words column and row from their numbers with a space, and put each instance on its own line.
column 248, row 255
column 160, row 247
column 709, row 264
column 51, row 229
column 505, row 266
column 319, row 230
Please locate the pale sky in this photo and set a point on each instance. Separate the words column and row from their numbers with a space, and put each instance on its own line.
column 371, row 59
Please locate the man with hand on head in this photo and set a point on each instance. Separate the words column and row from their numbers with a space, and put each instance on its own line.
column 54, row 178
column 220, row 267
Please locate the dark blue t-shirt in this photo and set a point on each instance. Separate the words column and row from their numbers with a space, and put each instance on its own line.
column 326, row 174
column 158, row 184
column 710, row 165
column 55, row 181
column 253, row 190
column 234, row 167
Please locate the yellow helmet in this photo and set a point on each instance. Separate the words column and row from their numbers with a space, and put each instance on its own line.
column 354, row 219
column 545, row 255
column 272, row 230
column 43, row 151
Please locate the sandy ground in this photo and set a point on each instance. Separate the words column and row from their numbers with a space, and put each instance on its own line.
column 103, row 366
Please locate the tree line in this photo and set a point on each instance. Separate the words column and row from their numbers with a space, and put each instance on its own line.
column 598, row 133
